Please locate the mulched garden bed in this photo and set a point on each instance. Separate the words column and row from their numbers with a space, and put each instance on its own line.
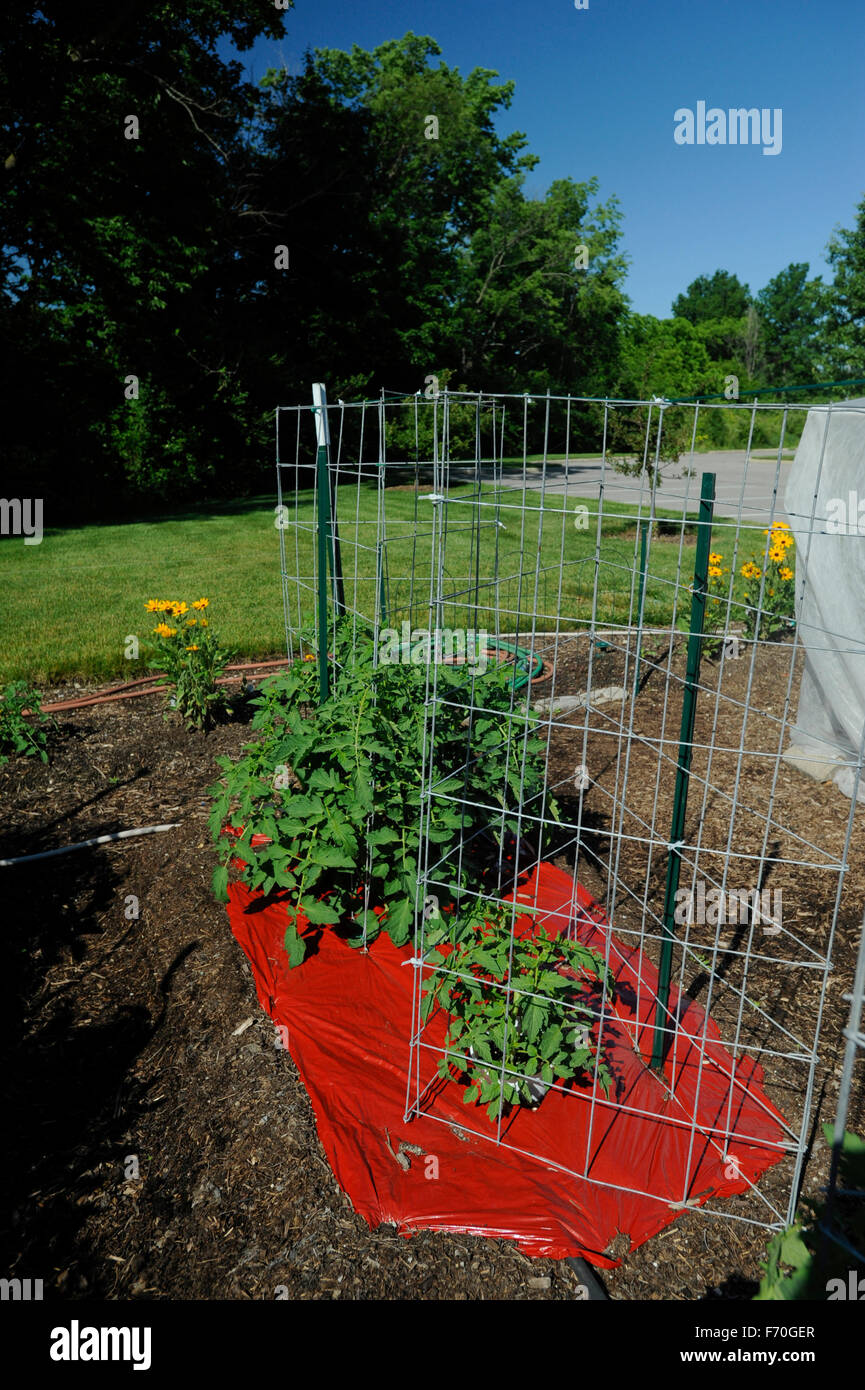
column 142, row 1036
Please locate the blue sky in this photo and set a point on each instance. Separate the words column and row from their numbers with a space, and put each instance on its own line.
column 596, row 92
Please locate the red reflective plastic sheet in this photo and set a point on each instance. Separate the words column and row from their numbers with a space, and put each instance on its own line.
column 710, row 1131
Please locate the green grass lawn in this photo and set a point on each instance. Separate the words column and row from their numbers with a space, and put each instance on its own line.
column 70, row 603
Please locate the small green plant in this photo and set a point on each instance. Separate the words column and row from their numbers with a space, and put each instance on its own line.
column 803, row 1264
column 633, row 448
column 191, row 656
column 326, row 802
column 521, row 1008
column 18, row 732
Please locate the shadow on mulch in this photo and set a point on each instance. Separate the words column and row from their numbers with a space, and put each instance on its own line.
column 63, row 1075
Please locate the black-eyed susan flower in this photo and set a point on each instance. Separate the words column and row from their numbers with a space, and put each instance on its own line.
column 201, row 603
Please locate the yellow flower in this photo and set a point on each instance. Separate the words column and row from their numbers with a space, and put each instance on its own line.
column 201, row 603
column 715, row 557
column 750, row 571
column 165, row 604
column 203, row 622
column 776, row 555
column 191, row 622
column 178, row 609
column 193, row 648
column 786, row 573
column 152, row 605
column 309, row 658
column 715, row 571
column 163, row 630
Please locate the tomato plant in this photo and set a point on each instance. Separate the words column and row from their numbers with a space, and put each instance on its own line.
column 336, row 788
column 522, row 1009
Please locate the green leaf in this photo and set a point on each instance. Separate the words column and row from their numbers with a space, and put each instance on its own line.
column 399, row 921
column 303, row 807
column 219, row 883
column 318, row 913
column 294, row 946
column 487, row 962
column 292, row 827
column 532, row 1020
column 550, row 1041
column 382, row 835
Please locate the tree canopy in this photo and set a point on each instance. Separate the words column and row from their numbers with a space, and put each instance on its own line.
column 180, row 251
column 718, row 296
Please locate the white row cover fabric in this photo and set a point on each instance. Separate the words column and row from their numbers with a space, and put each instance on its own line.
column 825, row 489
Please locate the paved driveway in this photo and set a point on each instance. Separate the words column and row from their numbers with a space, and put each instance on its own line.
column 581, row 478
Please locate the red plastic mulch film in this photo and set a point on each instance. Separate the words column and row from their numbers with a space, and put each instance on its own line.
column 348, row 1016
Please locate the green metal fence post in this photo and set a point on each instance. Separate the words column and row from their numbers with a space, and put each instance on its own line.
column 683, row 769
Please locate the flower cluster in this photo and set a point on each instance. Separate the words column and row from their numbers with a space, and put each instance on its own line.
column 172, row 606
column 776, row 576
column 191, row 660
column 775, row 617
column 176, row 609
column 780, row 541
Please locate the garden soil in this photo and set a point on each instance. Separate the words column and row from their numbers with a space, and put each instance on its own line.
column 160, row 1144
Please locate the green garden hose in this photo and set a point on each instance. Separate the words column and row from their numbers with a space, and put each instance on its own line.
column 524, row 675
column 528, row 667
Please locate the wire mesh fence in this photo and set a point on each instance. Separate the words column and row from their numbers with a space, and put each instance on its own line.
column 632, row 875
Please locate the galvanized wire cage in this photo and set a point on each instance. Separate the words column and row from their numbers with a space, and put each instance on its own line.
column 652, row 600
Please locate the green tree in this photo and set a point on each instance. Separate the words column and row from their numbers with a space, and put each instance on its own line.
column 407, row 173
column 664, row 357
column 718, row 296
column 126, row 205
column 542, row 294
column 791, row 309
column 845, row 328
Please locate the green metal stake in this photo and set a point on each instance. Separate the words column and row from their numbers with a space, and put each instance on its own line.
column 683, row 769
column 323, row 502
column 644, row 534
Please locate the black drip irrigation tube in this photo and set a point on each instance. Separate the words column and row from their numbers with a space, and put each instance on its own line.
column 595, row 1291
